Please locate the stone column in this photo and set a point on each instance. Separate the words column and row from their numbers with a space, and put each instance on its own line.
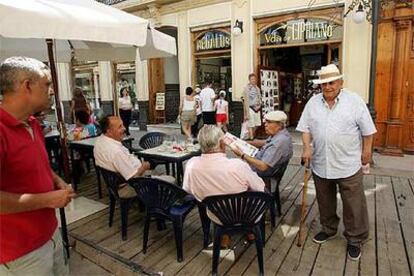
column 242, row 54
column 141, row 80
column 106, row 87
column 96, row 86
column 64, row 73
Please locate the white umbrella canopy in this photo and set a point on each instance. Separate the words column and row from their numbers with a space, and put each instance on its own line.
column 88, row 29
column 85, row 28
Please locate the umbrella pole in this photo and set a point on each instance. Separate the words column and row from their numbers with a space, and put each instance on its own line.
column 114, row 92
column 62, row 129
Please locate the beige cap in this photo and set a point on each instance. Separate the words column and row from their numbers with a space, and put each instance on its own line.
column 197, row 90
column 276, row 116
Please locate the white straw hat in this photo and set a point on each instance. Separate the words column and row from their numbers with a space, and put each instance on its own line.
column 222, row 92
column 328, row 73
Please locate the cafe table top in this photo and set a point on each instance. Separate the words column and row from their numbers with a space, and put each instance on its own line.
column 167, row 153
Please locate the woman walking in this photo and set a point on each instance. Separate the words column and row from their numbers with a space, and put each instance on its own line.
column 79, row 102
column 188, row 111
column 125, row 108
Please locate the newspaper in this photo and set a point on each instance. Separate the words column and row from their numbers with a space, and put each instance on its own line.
column 232, row 141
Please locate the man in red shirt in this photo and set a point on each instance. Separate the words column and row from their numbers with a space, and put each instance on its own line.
column 30, row 242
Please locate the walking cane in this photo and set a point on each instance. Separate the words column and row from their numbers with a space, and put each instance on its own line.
column 303, row 207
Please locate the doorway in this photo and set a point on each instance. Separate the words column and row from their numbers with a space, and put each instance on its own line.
column 286, row 75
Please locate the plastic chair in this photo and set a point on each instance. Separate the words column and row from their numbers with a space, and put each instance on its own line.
column 164, row 200
column 152, row 140
column 243, row 212
column 205, row 223
column 113, row 180
column 277, row 176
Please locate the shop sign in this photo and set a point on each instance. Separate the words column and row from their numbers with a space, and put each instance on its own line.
column 213, row 40
column 300, row 31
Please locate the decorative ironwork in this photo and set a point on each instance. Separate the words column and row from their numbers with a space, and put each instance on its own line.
column 110, row 2
column 366, row 5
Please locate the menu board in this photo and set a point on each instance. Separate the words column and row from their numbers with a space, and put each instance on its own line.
column 160, row 101
column 269, row 86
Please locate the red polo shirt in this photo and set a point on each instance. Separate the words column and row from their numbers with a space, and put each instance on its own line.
column 24, row 168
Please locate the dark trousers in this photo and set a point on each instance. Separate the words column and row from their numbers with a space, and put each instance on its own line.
column 194, row 127
column 126, row 119
column 209, row 117
column 355, row 212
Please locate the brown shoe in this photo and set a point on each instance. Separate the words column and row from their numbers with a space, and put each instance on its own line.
column 225, row 241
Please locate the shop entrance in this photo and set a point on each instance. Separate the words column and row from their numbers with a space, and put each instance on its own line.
column 286, row 75
column 216, row 69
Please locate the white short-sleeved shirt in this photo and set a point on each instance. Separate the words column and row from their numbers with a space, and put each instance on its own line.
column 125, row 103
column 113, row 156
column 207, row 96
column 220, row 106
column 336, row 133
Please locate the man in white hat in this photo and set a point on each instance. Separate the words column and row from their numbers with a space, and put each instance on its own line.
column 275, row 150
column 338, row 124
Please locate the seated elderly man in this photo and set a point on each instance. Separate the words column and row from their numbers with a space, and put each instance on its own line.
column 213, row 173
column 110, row 154
column 275, row 150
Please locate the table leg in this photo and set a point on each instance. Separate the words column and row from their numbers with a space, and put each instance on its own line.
column 180, row 173
column 75, row 177
column 173, row 169
column 98, row 176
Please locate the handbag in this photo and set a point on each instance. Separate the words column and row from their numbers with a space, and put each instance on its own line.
column 244, row 133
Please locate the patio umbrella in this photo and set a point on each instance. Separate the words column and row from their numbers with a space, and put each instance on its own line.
column 84, row 28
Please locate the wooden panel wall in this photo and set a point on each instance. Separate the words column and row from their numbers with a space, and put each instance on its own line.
column 156, row 84
column 394, row 96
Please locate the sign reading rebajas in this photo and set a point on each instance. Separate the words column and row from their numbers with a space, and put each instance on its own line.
column 213, row 40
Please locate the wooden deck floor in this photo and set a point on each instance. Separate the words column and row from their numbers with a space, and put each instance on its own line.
column 389, row 250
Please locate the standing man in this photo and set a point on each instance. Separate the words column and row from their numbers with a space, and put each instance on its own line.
column 252, row 105
column 207, row 97
column 339, row 126
column 30, row 242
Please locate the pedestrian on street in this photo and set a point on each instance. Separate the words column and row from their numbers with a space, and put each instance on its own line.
column 339, row 127
column 188, row 106
column 199, row 114
column 221, row 106
column 207, row 97
column 251, row 105
column 79, row 102
column 30, row 241
column 125, row 108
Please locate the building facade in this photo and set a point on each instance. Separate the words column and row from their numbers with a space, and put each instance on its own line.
column 283, row 42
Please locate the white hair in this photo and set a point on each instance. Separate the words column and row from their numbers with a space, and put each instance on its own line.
column 209, row 138
column 16, row 69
